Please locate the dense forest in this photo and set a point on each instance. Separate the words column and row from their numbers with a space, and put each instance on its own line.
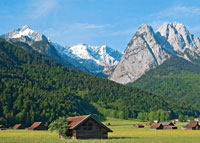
column 35, row 88
column 176, row 78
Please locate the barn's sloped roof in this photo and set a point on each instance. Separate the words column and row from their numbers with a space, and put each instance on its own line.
column 191, row 125
column 155, row 125
column 16, row 126
column 139, row 125
column 34, row 125
column 75, row 122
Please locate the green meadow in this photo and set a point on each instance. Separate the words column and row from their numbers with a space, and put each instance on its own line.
column 123, row 132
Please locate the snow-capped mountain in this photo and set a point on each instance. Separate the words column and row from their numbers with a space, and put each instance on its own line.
column 147, row 50
column 26, row 37
column 25, row 34
column 93, row 59
column 98, row 60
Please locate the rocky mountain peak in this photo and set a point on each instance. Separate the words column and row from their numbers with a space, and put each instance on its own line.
column 25, row 34
column 25, row 27
column 147, row 49
column 145, row 29
column 179, row 37
column 174, row 28
column 142, row 53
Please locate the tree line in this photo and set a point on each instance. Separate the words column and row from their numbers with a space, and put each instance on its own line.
column 35, row 88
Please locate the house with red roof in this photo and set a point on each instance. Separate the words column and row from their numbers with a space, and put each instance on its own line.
column 156, row 126
column 87, row 127
column 18, row 126
column 38, row 126
column 138, row 125
column 168, row 125
column 192, row 126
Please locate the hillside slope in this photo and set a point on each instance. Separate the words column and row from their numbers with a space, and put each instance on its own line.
column 175, row 78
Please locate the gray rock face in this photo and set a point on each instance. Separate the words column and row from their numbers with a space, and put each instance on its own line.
column 142, row 53
column 147, row 50
column 182, row 41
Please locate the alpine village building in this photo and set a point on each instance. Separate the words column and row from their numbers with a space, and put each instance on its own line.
column 168, row 125
column 18, row 126
column 156, row 126
column 38, row 126
column 163, row 125
column 192, row 126
column 138, row 125
column 87, row 127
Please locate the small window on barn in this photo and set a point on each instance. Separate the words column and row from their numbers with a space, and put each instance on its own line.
column 90, row 125
column 84, row 126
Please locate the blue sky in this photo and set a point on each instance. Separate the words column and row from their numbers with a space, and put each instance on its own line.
column 96, row 22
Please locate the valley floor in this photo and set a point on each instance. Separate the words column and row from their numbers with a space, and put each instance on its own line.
column 123, row 132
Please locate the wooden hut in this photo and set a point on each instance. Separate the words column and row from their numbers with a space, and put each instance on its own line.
column 18, row 126
column 87, row 127
column 156, row 126
column 138, row 125
column 192, row 126
column 38, row 126
column 168, row 125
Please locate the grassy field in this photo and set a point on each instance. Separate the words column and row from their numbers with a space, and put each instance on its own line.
column 123, row 133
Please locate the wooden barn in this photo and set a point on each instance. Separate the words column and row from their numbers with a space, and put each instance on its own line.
column 138, row 125
column 38, row 126
column 156, row 126
column 192, row 126
column 168, row 125
column 18, row 126
column 87, row 127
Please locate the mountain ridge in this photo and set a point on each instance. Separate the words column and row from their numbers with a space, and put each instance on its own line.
column 98, row 60
column 176, row 78
column 154, row 48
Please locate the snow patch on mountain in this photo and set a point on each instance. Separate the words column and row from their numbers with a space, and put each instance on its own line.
column 26, row 32
column 98, row 56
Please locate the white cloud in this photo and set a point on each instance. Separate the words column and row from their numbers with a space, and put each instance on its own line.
column 41, row 8
column 178, row 12
column 85, row 26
